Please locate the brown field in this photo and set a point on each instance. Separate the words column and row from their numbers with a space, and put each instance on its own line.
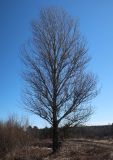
column 73, row 149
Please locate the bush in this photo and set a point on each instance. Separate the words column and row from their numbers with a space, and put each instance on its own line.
column 12, row 136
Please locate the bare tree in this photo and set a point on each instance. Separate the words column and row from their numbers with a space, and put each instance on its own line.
column 59, row 88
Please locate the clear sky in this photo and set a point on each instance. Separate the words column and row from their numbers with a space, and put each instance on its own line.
column 96, row 24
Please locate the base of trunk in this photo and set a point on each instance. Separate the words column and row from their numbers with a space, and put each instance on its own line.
column 55, row 138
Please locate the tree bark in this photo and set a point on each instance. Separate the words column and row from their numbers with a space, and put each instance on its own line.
column 55, row 136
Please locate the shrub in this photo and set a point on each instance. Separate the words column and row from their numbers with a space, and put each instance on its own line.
column 12, row 136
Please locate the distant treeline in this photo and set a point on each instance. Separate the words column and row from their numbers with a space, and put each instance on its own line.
column 73, row 132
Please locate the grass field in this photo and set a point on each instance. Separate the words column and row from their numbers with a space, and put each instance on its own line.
column 73, row 149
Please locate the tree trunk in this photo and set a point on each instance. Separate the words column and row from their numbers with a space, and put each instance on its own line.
column 55, row 136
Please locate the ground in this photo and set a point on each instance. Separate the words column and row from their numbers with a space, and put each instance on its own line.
column 71, row 149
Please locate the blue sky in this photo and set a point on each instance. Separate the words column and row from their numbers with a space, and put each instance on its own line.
column 96, row 24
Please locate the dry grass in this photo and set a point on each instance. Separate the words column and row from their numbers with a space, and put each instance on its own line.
column 70, row 150
column 75, row 150
column 30, row 153
column 16, row 145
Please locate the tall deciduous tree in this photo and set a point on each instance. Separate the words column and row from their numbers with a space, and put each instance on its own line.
column 59, row 88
